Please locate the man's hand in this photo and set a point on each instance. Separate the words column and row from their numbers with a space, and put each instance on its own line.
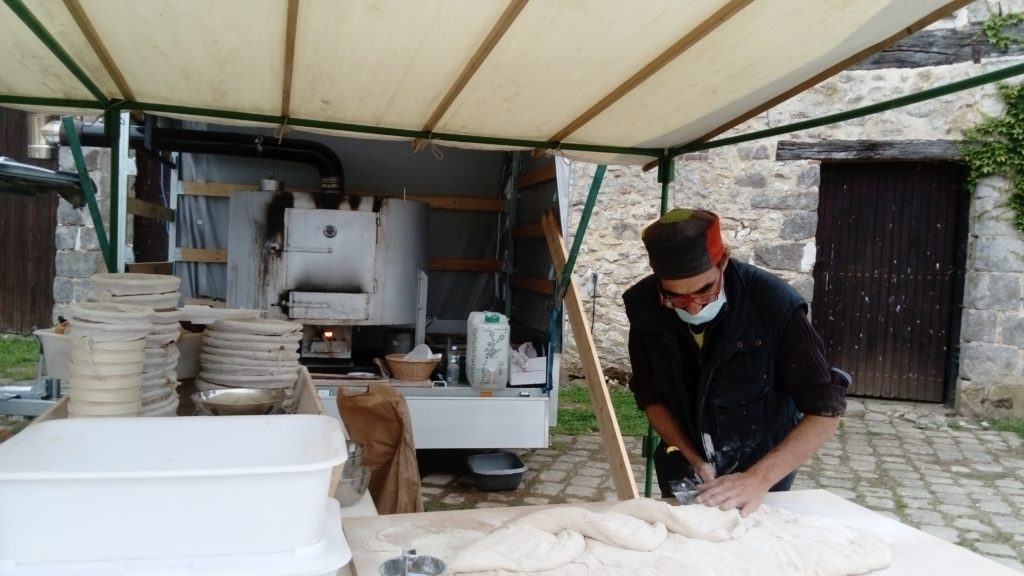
column 705, row 470
column 742, row 490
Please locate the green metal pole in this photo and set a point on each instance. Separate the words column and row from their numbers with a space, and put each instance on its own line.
column 577, row 242
column 112, row 124
column 89, row 191
column 666, row 174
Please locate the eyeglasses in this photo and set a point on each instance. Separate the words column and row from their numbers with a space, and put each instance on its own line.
column 672, row 300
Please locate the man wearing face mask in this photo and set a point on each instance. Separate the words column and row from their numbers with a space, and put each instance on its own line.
column 726, row 366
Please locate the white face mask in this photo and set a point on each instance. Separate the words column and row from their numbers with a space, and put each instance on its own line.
column 706, row 314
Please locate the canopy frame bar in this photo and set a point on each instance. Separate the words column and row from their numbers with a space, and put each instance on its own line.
column 44, row 36
column 691, row 38
column 504, row 22
column 89, row 192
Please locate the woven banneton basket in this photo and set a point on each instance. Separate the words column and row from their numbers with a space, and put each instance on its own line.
column 410, row 369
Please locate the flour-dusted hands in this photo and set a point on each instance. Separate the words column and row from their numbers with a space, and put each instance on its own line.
column 744, row 491
column 705, row 470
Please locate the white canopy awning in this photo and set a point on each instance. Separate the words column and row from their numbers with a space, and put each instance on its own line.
column 603, row 80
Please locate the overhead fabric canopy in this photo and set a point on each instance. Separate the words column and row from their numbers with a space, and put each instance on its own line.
column 607, row 81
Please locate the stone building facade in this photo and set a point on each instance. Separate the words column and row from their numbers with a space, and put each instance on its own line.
column 769, row 213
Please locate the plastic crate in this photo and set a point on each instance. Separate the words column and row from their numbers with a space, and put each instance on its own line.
column 497, row 471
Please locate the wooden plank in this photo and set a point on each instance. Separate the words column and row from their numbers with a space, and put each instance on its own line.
column 898, row 150
column 607, row 424
column 534, row 284
column 203, row 255
column 463, row 203
column 151, row 210
column 191, row 188
column 150, row 267
column 527, row 231
column 942, row 47
column 465, row 264
column 539, row 176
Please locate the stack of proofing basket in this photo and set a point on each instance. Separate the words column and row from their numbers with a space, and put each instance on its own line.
column 251, row 353
column 158, row 292
column 107, row 352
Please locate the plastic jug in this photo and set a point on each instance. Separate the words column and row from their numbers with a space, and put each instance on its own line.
column 487, row 350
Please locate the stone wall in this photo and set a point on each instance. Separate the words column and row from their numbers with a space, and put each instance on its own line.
column 769, row 207
column 992, row 335
column 78, row 248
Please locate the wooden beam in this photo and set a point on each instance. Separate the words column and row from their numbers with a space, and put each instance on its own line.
column 682, row 45
column 74, row 7
column 465, row 264
column 289, row 57
column 476, row 61
column 534, row 284
column 203, row 255
column 942, row 47
column 190, row 188
column 463, row 203
column 946, row 10
column 525, row 231
column 150, row 210
column 607, row 425
column 150, row 267
column 545, row 174
column 869, row 150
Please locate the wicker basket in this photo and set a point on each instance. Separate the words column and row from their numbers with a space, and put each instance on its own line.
column 410, row 369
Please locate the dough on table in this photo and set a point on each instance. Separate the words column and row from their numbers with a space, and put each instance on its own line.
column 649, row 537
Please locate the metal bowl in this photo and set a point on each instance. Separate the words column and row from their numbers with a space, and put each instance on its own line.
column 239, row 401
column 413, row 564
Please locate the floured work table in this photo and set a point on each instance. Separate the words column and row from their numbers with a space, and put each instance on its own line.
column 914, row 552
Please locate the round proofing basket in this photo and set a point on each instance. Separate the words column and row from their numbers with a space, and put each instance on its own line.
column 114, row 395
column 130, row 283
column 410, row 369
column 76, row 409
column 106, row 382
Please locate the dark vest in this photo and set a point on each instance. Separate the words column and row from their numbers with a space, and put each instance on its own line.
column 735, row 400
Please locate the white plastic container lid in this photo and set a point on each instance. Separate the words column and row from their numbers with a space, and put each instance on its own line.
column 323, row 558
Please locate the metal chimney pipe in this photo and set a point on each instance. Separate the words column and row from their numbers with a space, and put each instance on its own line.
column 40, row 146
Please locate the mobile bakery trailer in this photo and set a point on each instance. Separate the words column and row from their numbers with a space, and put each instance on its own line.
column 604, row 82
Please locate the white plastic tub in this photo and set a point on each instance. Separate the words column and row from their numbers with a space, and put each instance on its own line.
column 100, row 489
column 322, row 559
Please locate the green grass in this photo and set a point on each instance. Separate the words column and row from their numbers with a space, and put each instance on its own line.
column 576, row 413
column 1006, row 425
column 18, row 357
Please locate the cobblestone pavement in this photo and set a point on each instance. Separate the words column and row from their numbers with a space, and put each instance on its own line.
column 943, row 474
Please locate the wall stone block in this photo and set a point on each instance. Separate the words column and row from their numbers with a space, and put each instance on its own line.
column 779, row 257
column 979, row 326
column 89, row 239
column 1013, row 330
column 785, row 201
column 752, row 180
column 999, row 254
column 988, row 362
column 990, row 291
column 78, row 264
column 800, row 226
column 810, row 177
column 65, row 237
column 69, row 216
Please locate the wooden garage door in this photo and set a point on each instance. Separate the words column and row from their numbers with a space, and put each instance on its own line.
column 885, row 275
